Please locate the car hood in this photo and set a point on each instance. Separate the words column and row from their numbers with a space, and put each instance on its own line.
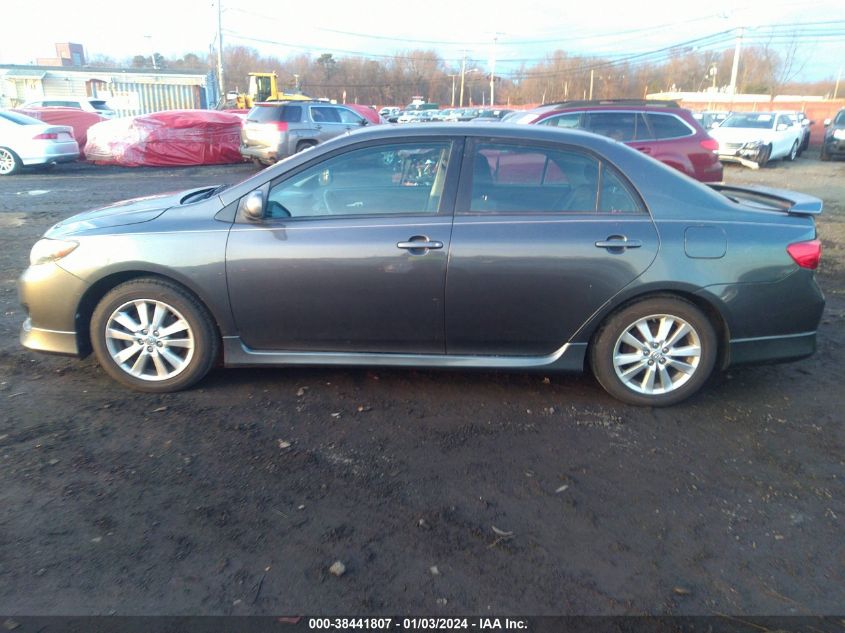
column 134, row 211
column 739, row 134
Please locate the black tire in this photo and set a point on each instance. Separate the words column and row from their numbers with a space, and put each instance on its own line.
column 10, row 163
column 765, row 154
column 608, row 344
column 824, row 155
column 303, row 145
column 182, row 307
column 793, row 152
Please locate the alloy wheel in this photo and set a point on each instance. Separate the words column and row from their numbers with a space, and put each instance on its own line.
column 657, row 354
column 7, row 162
column 149, row 340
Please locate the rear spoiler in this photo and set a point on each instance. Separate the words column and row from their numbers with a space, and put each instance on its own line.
column 770, row 198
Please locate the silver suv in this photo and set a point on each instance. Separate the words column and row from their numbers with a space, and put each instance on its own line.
column 273, row 131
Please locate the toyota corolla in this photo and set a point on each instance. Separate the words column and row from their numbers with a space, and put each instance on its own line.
column 450, row 246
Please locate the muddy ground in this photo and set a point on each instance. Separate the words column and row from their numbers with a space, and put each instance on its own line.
column 237, row 496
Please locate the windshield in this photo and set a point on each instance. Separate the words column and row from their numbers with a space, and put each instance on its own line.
column 840, row 118
column 758, row 120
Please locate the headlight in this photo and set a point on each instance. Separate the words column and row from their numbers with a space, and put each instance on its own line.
column 839, row 134
column 752, row 145
column 47, row 250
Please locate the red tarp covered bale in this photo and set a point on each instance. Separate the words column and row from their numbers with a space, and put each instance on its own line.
column 79, row 120
column 166, row 139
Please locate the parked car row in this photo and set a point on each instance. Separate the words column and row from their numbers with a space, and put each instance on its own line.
column 274, row 130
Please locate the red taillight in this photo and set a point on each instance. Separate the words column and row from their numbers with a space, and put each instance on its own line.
column 282, row 126
column 52, row 136
column 710, row 144
column 806, row 254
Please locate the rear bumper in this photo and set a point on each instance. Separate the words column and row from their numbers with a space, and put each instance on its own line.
column 261, row 153
column 42, row 153
column 772, row 349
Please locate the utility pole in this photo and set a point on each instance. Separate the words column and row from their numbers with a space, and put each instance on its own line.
column 453, row 89
column 591, row 83
column 463, row 76
column 220, row 51
column 493, row 71
column 836, row 87
column 735, row 67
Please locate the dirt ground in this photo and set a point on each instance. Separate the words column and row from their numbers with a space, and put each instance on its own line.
column 441, row 492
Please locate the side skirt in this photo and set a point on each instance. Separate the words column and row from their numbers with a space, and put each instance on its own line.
column 570, row 357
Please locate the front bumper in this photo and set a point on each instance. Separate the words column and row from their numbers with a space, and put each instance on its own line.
column 748, row 156
column 50, row 296
column 834, row 147
column 50, row 341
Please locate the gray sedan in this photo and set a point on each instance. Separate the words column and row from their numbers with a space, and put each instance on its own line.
column 453, row 246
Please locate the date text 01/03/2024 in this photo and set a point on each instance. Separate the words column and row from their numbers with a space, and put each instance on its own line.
column 435, row 624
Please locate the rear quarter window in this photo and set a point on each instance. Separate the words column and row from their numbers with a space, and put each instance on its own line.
column 667, row 126
column 268, row 114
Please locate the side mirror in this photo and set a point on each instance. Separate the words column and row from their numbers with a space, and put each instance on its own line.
column 253, row 205
column 364, row 122
column 826, row 122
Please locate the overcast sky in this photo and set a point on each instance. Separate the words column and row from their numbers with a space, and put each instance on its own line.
column 526, row 29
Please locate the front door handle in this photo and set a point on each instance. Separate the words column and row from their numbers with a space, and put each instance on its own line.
column 430, row 244
column 419, row 245
column 618, row 242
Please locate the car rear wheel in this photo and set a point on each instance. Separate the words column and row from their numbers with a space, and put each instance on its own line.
column 793, row 153
column 9, row 162
column 151, row 335
column 656, row 352
column 303, row 145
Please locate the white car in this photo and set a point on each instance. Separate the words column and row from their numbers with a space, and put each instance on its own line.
column 754, row 138
column 28, row 141
column 98, row 106
column 412, row 116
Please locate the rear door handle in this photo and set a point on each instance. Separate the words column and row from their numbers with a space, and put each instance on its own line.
column 618, row 241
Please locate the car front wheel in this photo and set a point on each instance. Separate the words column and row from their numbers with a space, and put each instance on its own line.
column 793, row 153
column 151, row 335
column 656, row 352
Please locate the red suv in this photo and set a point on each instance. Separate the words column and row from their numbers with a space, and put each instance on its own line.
column 660, row 129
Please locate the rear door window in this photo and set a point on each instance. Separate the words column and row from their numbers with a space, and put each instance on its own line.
column 323, row 114
column 620, row 126
column 524, row 179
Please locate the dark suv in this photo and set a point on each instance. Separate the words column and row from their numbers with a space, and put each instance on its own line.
column 834, row 136
column 660, row 129
column 273, row 131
